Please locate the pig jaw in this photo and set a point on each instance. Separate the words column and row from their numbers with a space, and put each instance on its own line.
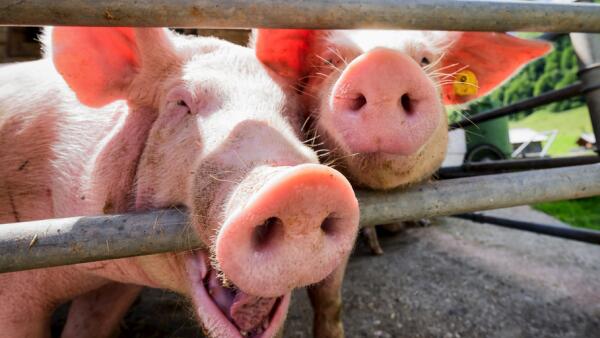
column 213, row 304
column 241, row 285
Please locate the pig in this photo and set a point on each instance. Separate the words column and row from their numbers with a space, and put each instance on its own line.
column 374, row 104
column 116, row 120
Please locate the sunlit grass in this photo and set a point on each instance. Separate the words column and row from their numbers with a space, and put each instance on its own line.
column 570, row 124
column 584, row 213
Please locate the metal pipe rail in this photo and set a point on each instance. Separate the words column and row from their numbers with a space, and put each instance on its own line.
column 46, row 243
column 576, row 234
column 465, row 15
column 567, row 92
column 496, row 167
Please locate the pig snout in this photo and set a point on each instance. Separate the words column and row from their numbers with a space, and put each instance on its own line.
column 292, row 232
column 384, row 102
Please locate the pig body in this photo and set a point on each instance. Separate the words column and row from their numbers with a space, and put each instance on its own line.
column 166, row 120
column 374, row 104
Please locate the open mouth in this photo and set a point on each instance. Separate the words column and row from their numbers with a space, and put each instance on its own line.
column 228, row 311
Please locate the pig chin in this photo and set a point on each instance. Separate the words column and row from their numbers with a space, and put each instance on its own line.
column 228, row 311
column 379, row 170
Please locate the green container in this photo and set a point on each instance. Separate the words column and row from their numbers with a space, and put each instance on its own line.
column 488, row 141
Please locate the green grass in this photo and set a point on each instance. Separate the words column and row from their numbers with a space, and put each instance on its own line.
column 570, row 124
column 584, row 213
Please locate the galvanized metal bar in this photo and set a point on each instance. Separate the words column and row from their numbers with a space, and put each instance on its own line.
column 576, row 234
column 46, row 243
column 467, row 15
column 462, row 195
column 495, row 167
column 534, row 102
column 587, row 48
column 52, row 242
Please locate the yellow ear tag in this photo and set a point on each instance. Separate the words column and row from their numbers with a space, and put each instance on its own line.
column 465, row 83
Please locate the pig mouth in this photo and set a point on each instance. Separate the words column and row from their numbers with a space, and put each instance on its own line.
column 228, row 311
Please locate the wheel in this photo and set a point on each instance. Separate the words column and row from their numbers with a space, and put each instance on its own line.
column 484, row 153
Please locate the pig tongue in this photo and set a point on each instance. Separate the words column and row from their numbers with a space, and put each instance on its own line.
column 248, row 312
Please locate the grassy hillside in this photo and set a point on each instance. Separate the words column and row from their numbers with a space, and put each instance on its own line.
column 570, row 124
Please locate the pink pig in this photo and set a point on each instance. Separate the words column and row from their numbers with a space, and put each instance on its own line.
column 376, row 98
column 374, row 104
column 166, row 120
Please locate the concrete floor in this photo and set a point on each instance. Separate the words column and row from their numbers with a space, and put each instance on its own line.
column 452, row 279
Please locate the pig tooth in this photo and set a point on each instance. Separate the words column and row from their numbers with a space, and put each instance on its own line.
column 244, row 333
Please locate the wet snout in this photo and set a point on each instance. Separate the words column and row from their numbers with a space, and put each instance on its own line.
column 292, row 232
column 384, row 102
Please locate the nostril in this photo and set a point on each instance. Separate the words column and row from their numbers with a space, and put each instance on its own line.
column 406, row 104
column 267, row 232
column 330, row 225
column 358, row 102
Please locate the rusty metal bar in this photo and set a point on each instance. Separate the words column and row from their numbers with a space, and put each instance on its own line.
column 46, row 243
column 317, row 14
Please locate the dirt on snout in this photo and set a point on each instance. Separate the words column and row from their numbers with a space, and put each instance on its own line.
column 452, row 279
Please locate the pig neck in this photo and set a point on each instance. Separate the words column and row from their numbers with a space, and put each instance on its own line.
column 112, row 182
column 114, row 174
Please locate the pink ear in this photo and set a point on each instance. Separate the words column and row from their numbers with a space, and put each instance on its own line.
column 97, row 63
column 284, row 50
column 492, row 57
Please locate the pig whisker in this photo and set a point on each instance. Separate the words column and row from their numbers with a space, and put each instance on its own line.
column 466, row 117
column 300, row 89
column 329, row 63
column 337, row 53
column 456, row 82
column 306, row 121
column 435, row 63
column 473, row 133
column 241, row 159
column 442, row 75
column 321, row 74
column 335, row 161
column 310, row 140
column 432, row 65
column 322, row 152
column 314, row 76
column 438, row 73
column 220, row 179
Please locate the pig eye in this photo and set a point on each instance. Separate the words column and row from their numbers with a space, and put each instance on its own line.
column 183, row 104
column 425, row 61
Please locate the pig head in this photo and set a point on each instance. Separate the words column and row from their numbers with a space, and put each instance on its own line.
column 376, row 98
column 121, row 119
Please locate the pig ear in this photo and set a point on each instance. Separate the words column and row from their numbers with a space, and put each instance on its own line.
column 283, row 50
column 485, row 61
column 99, row 63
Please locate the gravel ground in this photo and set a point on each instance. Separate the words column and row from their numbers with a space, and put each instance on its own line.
column 452, row 279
